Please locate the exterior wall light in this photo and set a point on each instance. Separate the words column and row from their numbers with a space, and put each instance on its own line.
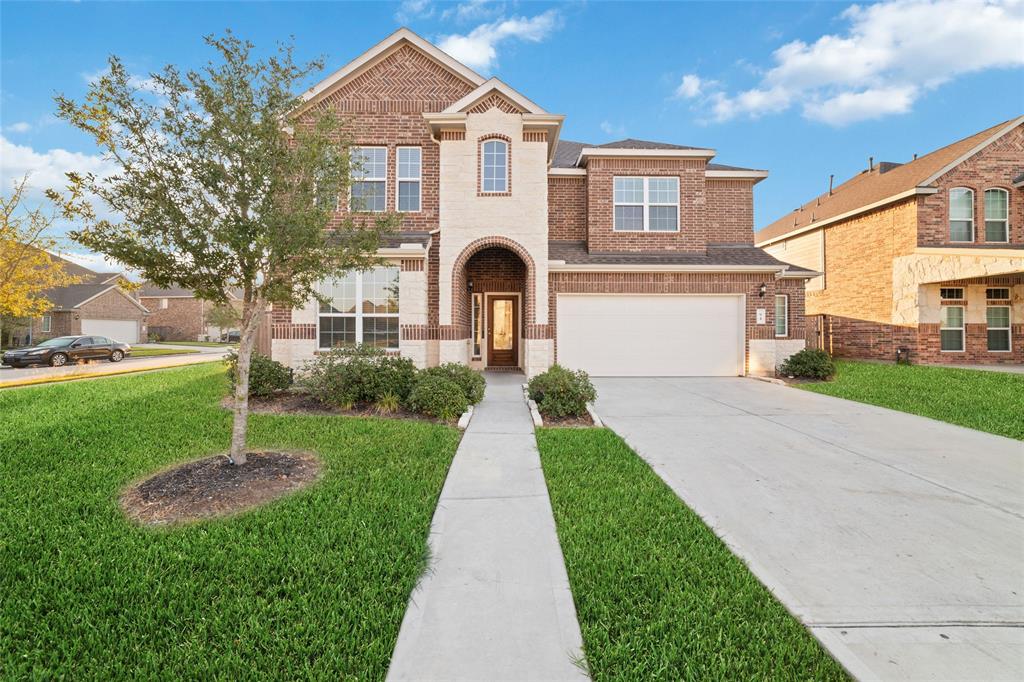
column 762, row 290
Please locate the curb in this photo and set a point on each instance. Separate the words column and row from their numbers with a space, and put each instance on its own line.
column 464, row 419
column 767, row 380
column 35, row 381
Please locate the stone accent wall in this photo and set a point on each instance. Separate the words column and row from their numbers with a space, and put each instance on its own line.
column 567, row 207
column 993, row 167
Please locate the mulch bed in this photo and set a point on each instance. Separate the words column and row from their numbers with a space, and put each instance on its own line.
column 212, row 487
column 299, row 402
column 568, row 422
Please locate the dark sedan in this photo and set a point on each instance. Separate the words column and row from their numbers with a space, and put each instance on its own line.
column 64, row 349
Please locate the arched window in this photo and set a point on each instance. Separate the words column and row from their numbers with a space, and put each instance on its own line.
column 997, row 215
column 961, row 214
column 494, row 166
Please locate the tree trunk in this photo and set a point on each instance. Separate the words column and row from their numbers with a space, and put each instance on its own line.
column 251, row 319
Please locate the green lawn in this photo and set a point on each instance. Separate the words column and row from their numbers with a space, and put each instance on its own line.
column 977, row 399
column 311, row 586
column 657, row 594
column 152, row 352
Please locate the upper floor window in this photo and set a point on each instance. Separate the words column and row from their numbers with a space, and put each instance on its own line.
column 781, row 315
column 494, row 166
column 369, row 179
column 646, row 204
column 410, row 173
column 997, row 215
column 961, row 215
column 951, row 293
column 361, row 307
column 998, row 294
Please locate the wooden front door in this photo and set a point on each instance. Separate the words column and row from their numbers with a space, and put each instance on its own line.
column 503, row 331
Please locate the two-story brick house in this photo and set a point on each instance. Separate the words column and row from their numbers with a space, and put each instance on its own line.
column 926, row 255
column 519, row 249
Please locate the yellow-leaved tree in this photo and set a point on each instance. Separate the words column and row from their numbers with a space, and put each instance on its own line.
column 26, row 269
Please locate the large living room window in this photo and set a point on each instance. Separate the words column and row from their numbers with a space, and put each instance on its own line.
column 494, row 165
column 961, row 215
column 409, row 176
column 361, row 307
column 781, row 315
column 646, row 204
column 951, row 328
column 369, row 179
column 998, row 319
column 997, row 215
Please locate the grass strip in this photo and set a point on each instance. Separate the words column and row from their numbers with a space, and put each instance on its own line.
column 313, row 585
column 153, row 352
column 978, row 399
column 657, row 594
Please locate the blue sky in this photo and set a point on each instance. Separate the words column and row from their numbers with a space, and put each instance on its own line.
column 800, row 89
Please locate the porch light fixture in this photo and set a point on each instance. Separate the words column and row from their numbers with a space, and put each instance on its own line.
column 762, row 290
column 469, row 285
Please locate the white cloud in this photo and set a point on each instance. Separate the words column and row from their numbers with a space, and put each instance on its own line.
column 889, row 56
column 98, row 262
column 692, row 86
column 19, row 127
column 610, row 129
column 473, row 10
column 479, row 48
column 45, row 169
column 414, row 9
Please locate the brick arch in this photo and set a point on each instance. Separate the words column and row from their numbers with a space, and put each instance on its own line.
column 460, row 298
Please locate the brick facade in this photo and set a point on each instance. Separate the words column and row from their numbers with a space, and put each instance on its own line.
column 181, row 320
column 567, row 207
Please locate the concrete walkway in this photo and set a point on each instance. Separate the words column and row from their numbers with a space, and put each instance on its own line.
column 898, row 540
column 495, row 602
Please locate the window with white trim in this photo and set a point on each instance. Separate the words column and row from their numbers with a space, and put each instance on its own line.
column 163, row 304
column 997, row 318
column 495, row 166
column 47, row 323
column 961, row 214
column 997, row 294
column 359, row 308
column 951, row 293
column 997, row 215
column 410, row 173
column 369, row 179
column 951, row 328
column 648, row 204
column 781, row 315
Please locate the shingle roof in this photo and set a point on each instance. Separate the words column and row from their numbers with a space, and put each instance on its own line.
column 150, row 290
column 1019, row 179
column 575, row 253
column 630, row 143
column 567, row 152
column 869, row 187
column 73, row 295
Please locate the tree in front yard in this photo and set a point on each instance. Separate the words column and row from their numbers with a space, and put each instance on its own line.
column 219, row 185
column 223, row 316
column 26, row 269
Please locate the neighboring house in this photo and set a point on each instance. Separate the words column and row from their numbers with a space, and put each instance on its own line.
column 926, row 255
column 519, row 249
column 175, row 314
column 96, row 305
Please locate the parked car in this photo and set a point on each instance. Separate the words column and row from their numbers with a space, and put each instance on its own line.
column 64, row 349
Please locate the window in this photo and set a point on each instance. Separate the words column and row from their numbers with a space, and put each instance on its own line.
column 163, row 303
column 951, row 293
column 781, row 315
column 951, row 328
column 361, row 307
column 1001, row 294
column 997, row 215
column 495, row 166
column 646, row 204
column 47, row 323
column 478, row 324
column 369, row 179
column 409, row 175
column 998, row 319
column 961, row 215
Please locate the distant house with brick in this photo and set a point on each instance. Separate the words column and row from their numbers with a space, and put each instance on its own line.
column 926, row 255
column 519, row 248
column 177, row 315
column 98, row 304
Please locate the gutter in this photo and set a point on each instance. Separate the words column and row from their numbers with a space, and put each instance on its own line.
column 562, row 266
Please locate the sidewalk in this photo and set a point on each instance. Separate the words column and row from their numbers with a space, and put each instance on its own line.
column 495, row 602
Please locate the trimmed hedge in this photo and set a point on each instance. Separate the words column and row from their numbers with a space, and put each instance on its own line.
column 437, row 396
column 266, row 376
column 471, row 381
column 810, row 363
column 560, row 392
column 362, row 374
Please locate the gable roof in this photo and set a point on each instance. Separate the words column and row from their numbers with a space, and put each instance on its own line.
column 873, row 188
column 567, row 155
column 490, row 86
column 631, row 143
column 76, row 295
column 394, row 41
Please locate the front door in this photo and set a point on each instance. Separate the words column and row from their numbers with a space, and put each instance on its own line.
column 503, row 336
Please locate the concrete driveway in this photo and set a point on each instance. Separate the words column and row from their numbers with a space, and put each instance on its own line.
column 898, row 540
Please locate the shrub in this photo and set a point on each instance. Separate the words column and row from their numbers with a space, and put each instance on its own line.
column 810, row 363
column 388, row 403
column 266, row 376
column 471, row 381
column 436, row 396
column 360, row 374
column 560, row 392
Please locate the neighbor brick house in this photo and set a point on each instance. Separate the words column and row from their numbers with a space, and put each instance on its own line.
column 519, row 249
column 926, row 255
column 175, row 314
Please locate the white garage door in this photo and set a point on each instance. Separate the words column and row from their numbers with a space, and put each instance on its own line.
column 669, row 335
column 125, row 331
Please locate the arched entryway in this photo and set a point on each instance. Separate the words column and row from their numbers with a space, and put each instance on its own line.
column 493, row 301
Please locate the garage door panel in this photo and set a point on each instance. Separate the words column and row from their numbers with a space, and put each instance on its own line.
column 651, row 335
column 124, row 331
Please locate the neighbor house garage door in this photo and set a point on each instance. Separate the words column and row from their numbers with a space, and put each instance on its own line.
column 125, row 331
column 632, row 335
